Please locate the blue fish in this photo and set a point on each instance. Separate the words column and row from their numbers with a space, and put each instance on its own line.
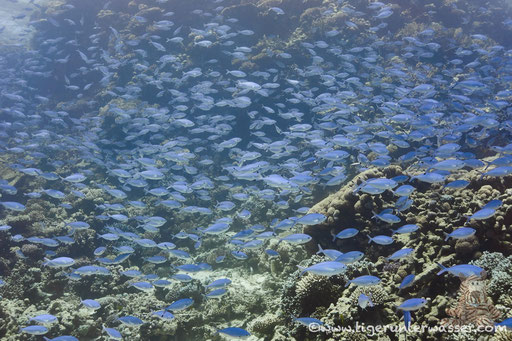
column 407, row 282
column 507, row 323
column 412, row 304
column 324, row 268
column 364, row 301
column 457, row 184
column 311, row 219
column 409, row 228
column 350, row 257
column 34, row 330
column 113, row 333
column 464, row 270
column 381, row 240
column 61, row 338
column 13, row 206
column 44, row 319
column 364, row 281
column 180, row 305
column 234, row 333
column 131, row 321
column 239, row 255
column 346, row 233
column 400, row 254
column 306, row 321
column 481, row 214
column 493, row 204
column 460, row 233
column 91, row 304
column 329, row 253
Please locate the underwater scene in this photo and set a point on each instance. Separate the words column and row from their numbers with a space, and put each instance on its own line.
column 275, row 170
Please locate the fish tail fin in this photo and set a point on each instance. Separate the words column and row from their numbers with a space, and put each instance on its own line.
column 482, row 174
column 443, row 268
column 358, row 188
column 320, row 250
column 302, row 270
column 369, row 239
column 488, row 163
column 446, row 235
column 407, row 319
column 348, row 283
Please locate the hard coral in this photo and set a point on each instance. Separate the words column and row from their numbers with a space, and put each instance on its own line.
column 499, row 269
column 313, row 291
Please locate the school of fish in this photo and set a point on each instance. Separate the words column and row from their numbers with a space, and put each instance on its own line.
column 163, row 157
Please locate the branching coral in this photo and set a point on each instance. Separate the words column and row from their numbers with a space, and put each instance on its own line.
column 499, row 269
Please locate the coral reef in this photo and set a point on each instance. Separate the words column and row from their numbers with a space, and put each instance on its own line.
column 266, row 324
column 303, row 296
column 265, row 291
